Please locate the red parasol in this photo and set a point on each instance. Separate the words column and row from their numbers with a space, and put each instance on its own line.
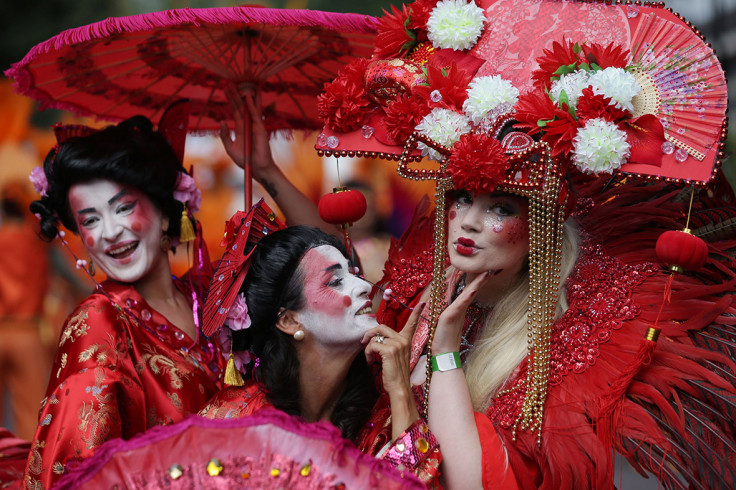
column 124, row 66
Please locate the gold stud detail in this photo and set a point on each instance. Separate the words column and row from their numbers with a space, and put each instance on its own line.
column 214, row 467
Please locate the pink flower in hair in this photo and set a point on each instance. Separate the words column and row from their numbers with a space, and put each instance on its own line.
column 187, row 192
column 39, row 181
column 237, row 317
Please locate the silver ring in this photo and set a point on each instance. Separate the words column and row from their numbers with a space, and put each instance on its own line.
column 379, row 339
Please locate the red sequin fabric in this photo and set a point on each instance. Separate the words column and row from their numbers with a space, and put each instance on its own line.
column 599, row 297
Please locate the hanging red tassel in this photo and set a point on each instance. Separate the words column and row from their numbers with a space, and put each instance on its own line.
column 612, row 401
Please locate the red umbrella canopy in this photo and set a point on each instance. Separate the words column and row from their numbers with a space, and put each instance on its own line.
column 140, row 64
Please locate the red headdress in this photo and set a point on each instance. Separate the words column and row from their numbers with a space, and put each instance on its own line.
column 515, row 101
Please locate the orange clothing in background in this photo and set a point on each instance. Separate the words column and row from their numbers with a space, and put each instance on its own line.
column 24, row 270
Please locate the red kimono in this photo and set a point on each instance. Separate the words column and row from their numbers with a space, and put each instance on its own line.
column 667, row 406
column 415, row 450
column 121, row 368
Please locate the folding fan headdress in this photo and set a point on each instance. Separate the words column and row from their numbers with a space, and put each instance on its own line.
column 242, row 232
column 511, row 95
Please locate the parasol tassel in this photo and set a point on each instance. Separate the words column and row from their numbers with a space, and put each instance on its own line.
column 186, row 233
column 232, row 375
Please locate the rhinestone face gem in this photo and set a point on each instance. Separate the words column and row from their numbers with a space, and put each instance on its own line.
column 668, row 148
column 332, row 142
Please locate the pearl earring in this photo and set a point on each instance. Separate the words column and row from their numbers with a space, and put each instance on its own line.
column 299, row 335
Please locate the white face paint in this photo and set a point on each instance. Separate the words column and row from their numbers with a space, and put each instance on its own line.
column 337, row 310
column 488, row 232
column 120, row 227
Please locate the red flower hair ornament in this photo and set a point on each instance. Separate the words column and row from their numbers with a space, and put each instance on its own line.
column 478, row 163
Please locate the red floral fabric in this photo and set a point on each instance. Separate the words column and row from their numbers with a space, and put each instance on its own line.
column 117, row 374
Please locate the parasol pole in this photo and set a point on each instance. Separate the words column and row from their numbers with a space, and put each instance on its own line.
column 248, row 160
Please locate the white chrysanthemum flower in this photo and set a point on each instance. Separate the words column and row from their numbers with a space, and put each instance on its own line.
column 487, row 93
column 444, row 126
column 616, row 83
column 600, row 147
column 455, row 24
column 573, row 85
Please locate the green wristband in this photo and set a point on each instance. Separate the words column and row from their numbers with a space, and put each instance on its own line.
column 446, row 361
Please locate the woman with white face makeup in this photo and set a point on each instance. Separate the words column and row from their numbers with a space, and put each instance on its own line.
column 310, row 335
column 129, row 356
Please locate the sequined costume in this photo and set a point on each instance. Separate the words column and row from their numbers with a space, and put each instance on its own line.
column 668, row 407
column 415, row 450
column 121, row 369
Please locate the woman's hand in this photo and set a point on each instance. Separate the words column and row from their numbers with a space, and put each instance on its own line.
column 247, row 106
column 450, row 323
column 394, row 351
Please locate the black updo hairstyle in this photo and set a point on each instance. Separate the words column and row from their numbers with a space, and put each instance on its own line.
column 275, row 281
column 130, row 153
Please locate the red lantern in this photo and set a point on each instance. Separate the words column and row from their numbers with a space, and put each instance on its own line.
column 343, row 206
column 682, row 250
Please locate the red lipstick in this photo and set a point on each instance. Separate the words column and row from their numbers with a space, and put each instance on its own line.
column 465, row 246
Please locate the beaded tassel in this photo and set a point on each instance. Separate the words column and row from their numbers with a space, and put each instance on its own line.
column 186, row 233
column 437, row 288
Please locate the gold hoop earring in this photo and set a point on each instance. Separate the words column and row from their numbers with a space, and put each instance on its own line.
column 165, row 243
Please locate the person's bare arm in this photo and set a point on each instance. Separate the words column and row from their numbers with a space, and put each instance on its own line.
column 297, row 208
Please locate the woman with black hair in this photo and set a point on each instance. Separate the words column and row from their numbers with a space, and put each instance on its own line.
column 305, row 319
column 129, row 356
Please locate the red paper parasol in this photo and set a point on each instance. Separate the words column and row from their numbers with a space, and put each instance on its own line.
column 269, row 449
column 124, row 66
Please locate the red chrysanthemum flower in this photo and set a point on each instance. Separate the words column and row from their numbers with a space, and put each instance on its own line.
column 343, row 102
column 592, row 106
column 561, row 54
column 420, row 11
column 477, row 163
column 394, row 38
column 536, row 113
column 452, row 84
column 532, row 107
column 402, row 116
column 608, row 56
